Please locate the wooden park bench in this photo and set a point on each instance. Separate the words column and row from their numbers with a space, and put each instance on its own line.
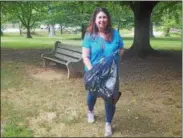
column 65, row 55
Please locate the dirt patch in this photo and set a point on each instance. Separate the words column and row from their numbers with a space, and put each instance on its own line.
column 48, row 74
column 150, row 105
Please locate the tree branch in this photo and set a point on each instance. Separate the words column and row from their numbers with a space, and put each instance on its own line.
column 154, row 3
column 131, row 5
column 23, row 22
column 33, row 24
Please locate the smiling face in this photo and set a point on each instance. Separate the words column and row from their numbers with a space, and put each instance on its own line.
column 101, row 21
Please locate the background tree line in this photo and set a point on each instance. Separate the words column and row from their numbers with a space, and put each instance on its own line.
column 141, row 16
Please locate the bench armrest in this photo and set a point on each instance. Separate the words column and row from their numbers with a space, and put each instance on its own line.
column 44, row 54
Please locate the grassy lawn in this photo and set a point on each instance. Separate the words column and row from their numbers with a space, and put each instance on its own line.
column 37, row 102
column 41, row 40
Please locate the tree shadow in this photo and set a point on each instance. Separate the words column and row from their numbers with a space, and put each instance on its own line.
column 135, row 124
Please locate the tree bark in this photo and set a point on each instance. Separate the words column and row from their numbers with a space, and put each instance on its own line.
column 48, row 27
column 20, row 28
column 151, row 30
column 141, row 44
column 61, row 29
column 82, row 31
column 82, row 25
column 167, row 32
column 52, row 30
column 1, row 33
column 28, row 34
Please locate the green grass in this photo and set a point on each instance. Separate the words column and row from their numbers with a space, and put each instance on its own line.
column 169, row 43
column 14, row 124
column 37, row 41
column 26, row 100
column 12, row 130
column 42, row 40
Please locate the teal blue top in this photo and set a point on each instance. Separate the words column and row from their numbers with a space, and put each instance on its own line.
column 100, row 48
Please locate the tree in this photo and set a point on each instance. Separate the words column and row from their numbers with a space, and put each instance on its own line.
column 61, row 13
column 142, row 12
column 5, row 16
column 81, row 14
column 167, row 15
column 151, row 30
column 28, row 12
column 122, row 16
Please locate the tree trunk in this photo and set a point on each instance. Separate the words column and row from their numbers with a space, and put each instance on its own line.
column 151, row 30
column 48, row 29
column 52, row 30
column 141, row 46
column 82, row 31
column 1, row 33
column 61, row 29
column 82, row 24
column 141, row 43
column 20, row 28
column 28, row 34
column 167, row 32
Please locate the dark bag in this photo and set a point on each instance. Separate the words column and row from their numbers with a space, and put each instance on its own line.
column 102, row 80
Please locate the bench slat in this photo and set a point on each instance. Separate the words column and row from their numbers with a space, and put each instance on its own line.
column 75, row 50
column 56, row 59
column 68, row 52
column 64, row 57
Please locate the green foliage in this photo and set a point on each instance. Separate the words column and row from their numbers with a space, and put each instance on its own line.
column 122, row 16
column 167, row 15
column 26, row 12
column 60, row 12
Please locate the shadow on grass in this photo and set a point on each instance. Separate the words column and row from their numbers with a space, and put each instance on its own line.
column 138, row 125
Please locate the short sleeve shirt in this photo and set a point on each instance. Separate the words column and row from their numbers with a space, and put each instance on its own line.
column 100, row 48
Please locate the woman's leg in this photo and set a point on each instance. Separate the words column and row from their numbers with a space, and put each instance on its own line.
column 109, row 111
column 91, row 100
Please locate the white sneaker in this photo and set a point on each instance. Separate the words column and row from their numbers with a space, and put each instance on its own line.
column 91, row 118
column 108, row 130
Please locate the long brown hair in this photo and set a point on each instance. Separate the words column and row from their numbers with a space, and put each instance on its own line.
column 92, row 28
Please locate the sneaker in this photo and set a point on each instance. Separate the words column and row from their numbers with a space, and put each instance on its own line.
column 91, row 118
column 108, row 130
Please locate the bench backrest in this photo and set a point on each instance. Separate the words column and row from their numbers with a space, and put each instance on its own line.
column 62, row 52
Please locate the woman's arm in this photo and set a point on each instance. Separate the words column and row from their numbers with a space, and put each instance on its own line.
column 85, row 56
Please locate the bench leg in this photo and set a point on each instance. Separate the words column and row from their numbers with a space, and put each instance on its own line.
column 71, row 72
column 45, row 63
column 68, row 73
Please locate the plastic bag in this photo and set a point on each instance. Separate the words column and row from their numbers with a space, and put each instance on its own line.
column 102, row 79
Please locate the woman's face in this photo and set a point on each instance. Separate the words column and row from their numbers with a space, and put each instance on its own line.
column 101, row 20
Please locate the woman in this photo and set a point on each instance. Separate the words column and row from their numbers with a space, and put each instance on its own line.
column 100, row 40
